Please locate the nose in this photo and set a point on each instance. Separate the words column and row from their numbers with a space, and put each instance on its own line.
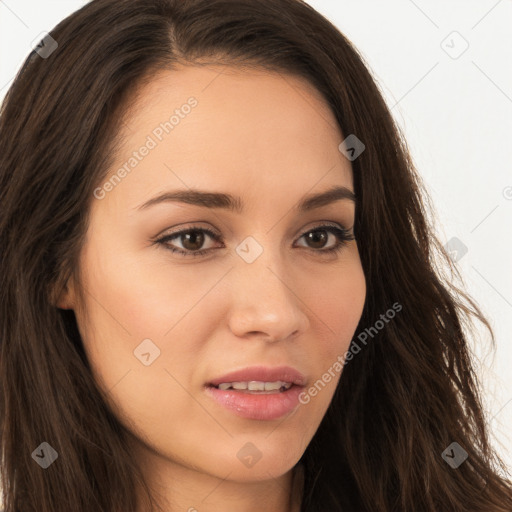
column 265, row 302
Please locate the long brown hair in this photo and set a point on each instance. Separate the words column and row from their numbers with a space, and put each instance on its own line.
column 402, row 400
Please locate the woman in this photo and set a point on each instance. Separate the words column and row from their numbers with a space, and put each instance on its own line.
column 218, row 284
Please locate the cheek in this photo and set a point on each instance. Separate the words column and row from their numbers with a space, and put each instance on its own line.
column 139, row 299
column 129, row 303
column 337, row 303
column 130, row 306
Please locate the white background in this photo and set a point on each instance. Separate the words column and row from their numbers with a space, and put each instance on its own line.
column 456, row 113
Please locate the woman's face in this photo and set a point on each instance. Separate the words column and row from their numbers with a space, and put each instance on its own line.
column 159, row 326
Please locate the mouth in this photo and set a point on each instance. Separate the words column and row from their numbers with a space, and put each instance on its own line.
column 258, row 392
column 254, row 387
column 259, row 378
column 252, row 402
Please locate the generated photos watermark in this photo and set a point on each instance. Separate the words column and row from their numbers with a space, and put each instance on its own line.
column 158, row 133
column 337, row 366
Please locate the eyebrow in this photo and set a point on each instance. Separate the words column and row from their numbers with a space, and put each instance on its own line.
column 235, row 204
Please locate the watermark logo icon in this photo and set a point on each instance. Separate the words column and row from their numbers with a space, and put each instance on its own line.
column 45, row 455
column 454, row 45
column 249, row 455
column 249, row 249
column 454, row 455
column 351, row 147
column 44, row 45
column 146, row 352
column 455, row 248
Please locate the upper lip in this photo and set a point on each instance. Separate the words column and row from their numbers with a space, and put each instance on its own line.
column 262, row 374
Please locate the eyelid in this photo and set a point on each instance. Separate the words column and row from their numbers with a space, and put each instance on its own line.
column 175, row 234
column 194, row 227
column 323, row 224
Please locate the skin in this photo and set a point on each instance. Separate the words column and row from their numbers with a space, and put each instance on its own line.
column 270, row 139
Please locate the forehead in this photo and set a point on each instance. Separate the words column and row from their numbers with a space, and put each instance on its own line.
column 248, row 129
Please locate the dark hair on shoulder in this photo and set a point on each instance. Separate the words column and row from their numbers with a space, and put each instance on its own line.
column 409, row 393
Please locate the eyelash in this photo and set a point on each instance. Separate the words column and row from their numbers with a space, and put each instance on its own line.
column 344, row 236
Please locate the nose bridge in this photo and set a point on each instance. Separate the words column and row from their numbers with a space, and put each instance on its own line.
column 264, row 299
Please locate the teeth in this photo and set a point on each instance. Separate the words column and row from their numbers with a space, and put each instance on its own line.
column 255, row 385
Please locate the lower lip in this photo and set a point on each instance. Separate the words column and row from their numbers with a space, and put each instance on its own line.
column 257, row 406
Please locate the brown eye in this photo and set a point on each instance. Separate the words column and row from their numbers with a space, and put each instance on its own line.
column 191, row 240
column 317, row 238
